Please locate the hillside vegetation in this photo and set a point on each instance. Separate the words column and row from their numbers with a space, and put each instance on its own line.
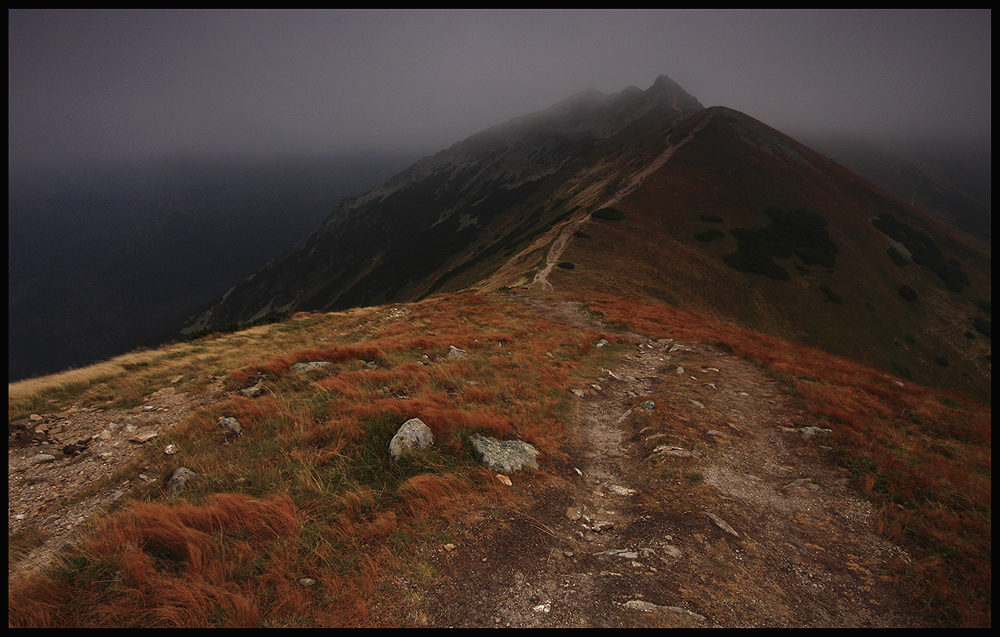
column 308, row 493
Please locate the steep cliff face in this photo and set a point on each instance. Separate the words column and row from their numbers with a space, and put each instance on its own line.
column 390, row 243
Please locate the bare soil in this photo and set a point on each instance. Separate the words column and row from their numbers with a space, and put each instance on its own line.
column 626, row 526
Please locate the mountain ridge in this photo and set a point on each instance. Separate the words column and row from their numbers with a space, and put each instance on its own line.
column 702, row 460
column 484, row 213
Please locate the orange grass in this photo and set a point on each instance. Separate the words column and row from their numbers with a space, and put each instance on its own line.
column 322, row 500
column 165, row 566
column 922, row 456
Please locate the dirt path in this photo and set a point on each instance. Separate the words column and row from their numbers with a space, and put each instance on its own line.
column 558, row 246
column 709, row 507
column 552, row 258
column 52, row 458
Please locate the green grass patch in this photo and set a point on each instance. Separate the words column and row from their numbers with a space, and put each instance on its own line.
column 709, row 235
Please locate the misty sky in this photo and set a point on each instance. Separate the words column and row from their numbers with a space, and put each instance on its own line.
column 133, row 84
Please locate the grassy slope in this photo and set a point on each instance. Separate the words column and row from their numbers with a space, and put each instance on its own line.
column 665, row 262
column 309, row 491
column 922, row 456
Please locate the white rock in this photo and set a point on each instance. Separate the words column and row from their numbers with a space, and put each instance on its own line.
column 413, row 435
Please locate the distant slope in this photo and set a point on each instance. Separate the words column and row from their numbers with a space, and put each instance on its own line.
column 954, row 185
column 102, row 258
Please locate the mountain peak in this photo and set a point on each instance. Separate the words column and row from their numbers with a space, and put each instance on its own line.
column 670, row 93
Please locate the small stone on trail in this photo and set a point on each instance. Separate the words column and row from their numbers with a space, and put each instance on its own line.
column 722, row 524
column 620, row 490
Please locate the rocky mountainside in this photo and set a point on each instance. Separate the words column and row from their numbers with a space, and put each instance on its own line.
column 409, row 236
column 744, row 223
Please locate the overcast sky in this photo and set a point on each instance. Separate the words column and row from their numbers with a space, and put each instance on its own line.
column 95, row 84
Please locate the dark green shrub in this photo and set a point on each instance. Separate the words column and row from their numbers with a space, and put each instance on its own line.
column 902, row 371
column 581, row 234
column 830, row 294
column 711, row 218
column 566, row 265
column 983, row 326
column 942, row 361
column 897, row 257
column 756, row 264
column 710, row 235
column 925, row 252
column 609, row 214
column 908, row 293
column 798, row 233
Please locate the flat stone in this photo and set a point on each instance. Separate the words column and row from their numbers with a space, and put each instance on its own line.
column 649, row 607
column 719, row 522
column 671, row 450
column 302, row 368
column 179, row 479
column 144, row 436
column 505, row 456
column 231, row 425
column 617, row 489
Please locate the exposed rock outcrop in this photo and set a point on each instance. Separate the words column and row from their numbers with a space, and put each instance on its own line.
column 505, row 456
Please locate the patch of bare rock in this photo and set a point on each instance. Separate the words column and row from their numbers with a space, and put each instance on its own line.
column 54, row 457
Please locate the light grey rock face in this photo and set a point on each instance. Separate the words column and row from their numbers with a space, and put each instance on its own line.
column 179, row 479
column 505, row 456
column 231, row 426
column 413, row 435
